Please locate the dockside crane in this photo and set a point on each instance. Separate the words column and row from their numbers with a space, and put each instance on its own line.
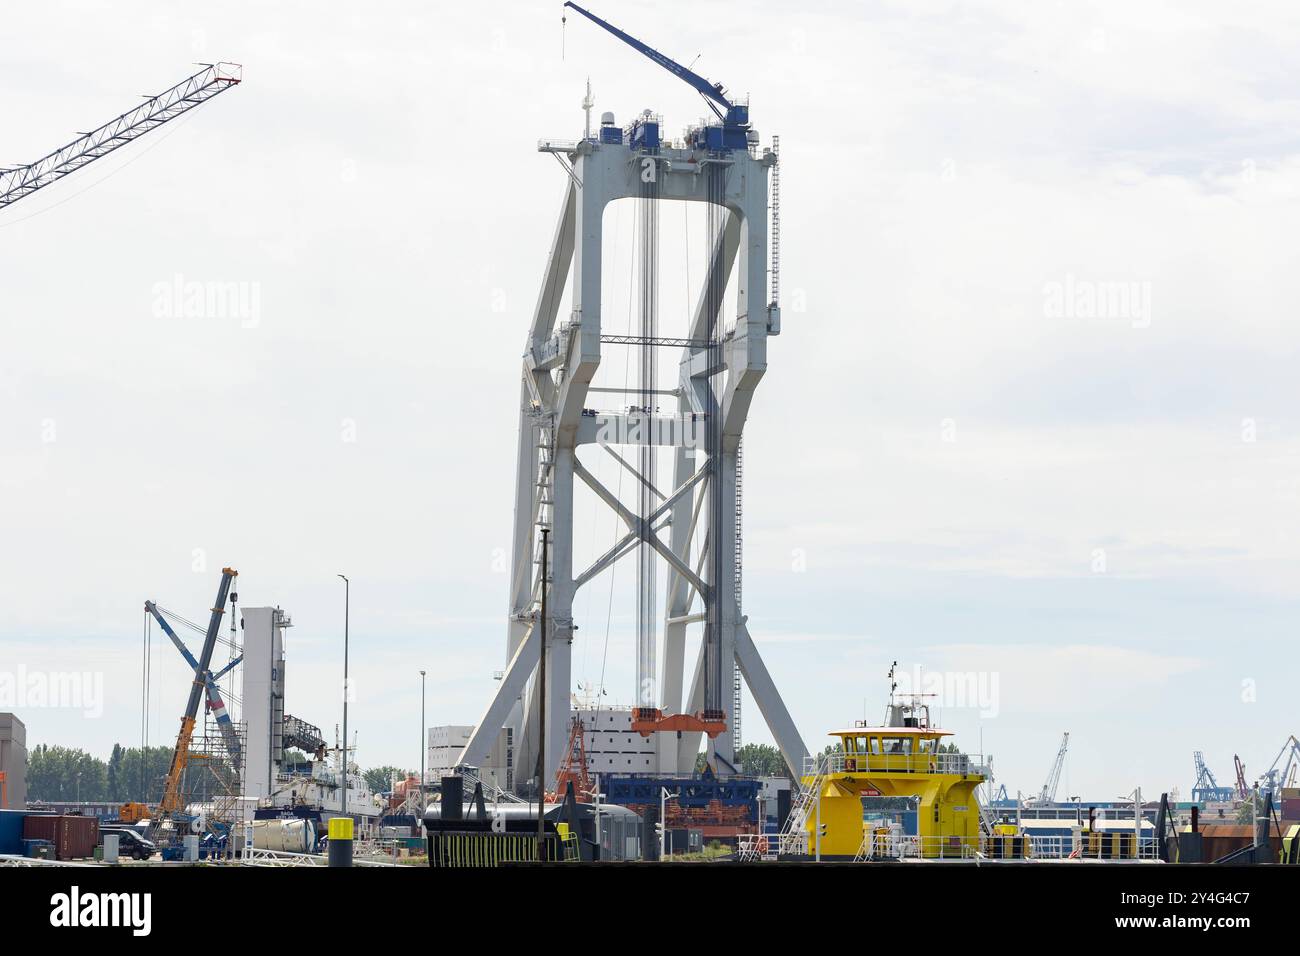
column 1047, row 795
column 1284, row 769
column 215, row 78
column 1207, row 789
column 172, row 799
column 1243, row 790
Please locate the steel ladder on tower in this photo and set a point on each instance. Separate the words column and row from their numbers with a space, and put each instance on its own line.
column 740, row 550
column 545, row 483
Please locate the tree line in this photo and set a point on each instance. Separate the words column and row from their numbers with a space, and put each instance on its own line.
column 130, row 774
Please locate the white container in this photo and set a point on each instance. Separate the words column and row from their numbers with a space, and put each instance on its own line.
column 284, row 836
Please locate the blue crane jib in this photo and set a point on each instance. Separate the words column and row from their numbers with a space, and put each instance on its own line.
column 733, row 133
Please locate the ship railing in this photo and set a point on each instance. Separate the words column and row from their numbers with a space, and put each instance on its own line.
column 892, row 845
column 549, row 145
column 902, row 846
column 758, row 846
column 1064, row 847
column 945, row 763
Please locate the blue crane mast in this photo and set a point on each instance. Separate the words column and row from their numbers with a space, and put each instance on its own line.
column 734, row 131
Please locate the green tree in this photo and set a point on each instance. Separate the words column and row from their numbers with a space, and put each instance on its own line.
column 761, row 760
column 1249, row 808
column 142, row 775
column 380, row 779
column 115, row 773
column 62, row 773
column 65, row 774
column 295, row 758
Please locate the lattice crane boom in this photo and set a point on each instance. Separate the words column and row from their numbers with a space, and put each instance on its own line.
column 1048, row 793
column 213, row 79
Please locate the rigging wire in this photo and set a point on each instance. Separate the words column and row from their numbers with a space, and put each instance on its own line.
column 144, row 697
column 716, row 183
column 647, row 567
column 627, row 373
column 595, row 503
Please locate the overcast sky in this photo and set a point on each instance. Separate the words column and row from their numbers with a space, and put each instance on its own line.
column 954, row 459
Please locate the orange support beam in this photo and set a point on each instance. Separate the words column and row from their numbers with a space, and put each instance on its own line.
column 651, row 720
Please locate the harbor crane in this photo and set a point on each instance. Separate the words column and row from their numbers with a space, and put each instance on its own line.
column 1243, row 790
column 1207, row 789
column 1047, row 795
column 1284, row 769
column 215, row 78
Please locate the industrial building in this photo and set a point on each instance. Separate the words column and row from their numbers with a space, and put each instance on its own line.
column 13, row 763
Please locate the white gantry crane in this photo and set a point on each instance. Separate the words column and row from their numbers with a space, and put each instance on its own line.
column 1047, row 795
column 691, row 526
column 20, row 181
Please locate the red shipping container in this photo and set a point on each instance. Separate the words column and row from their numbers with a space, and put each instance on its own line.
column 74, row 837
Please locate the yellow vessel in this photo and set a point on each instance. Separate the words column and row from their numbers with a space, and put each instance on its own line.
column 893, row 791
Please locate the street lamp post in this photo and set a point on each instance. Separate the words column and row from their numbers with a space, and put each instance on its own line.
column 347, row 599
column 663, row 826
column 423, row 744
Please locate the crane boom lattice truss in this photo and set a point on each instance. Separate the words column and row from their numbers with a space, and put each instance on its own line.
column 1048, row 794
column 1284, row 769
column 1207, row 789
column 194, row 90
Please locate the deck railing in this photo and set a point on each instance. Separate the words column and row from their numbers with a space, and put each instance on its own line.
column 948, row 763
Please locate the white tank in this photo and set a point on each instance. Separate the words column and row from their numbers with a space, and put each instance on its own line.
column 284, row 836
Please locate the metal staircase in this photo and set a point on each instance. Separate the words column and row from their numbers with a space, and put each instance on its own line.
column 793, row 838
column 491, row 792
column 864, row 848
